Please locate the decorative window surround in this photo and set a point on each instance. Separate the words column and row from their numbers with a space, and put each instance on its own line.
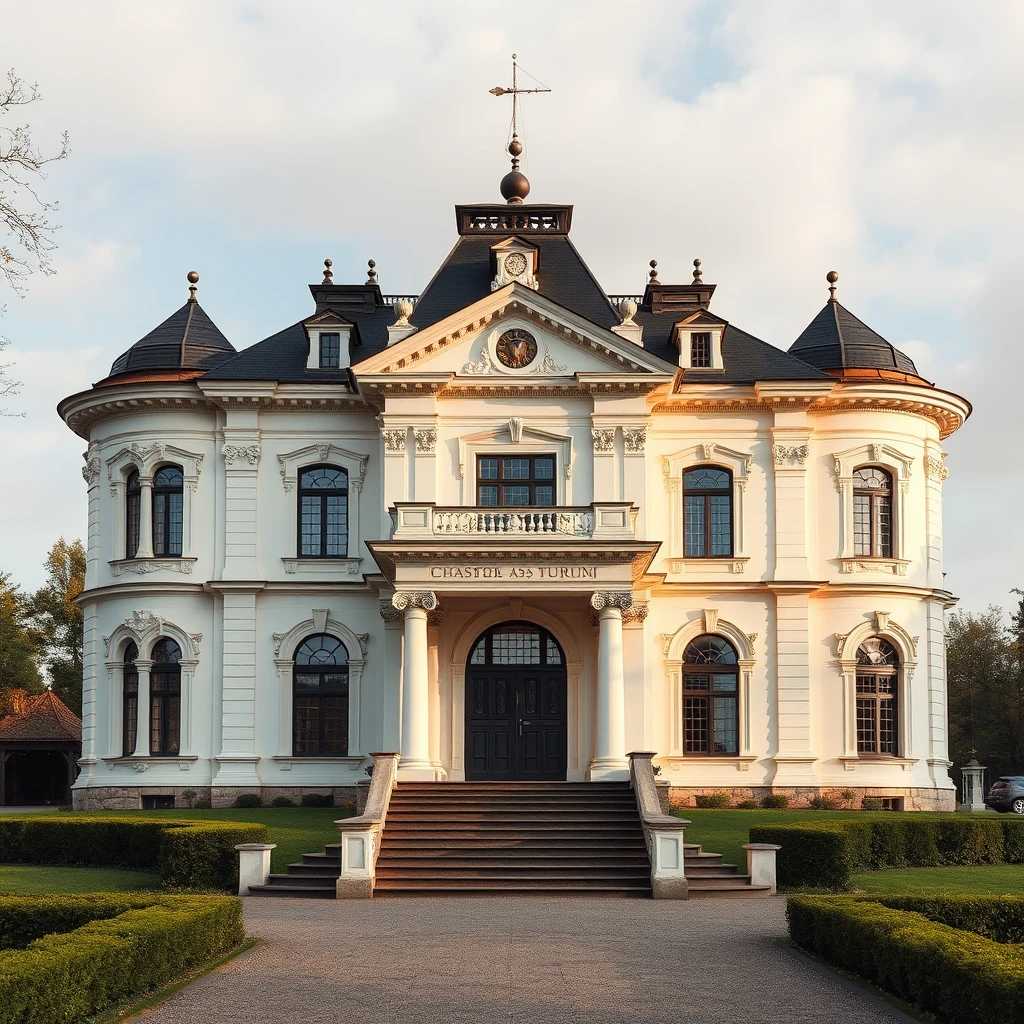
column 520, row 439
column 843, row 465
column 144, row 566
column 683, row 342
column 147, row 459
column 673, row 468
column 675, row 645
column 330, row 454
column 847, row 645
column 285, row 646
column 142, row 763
column 328, row 322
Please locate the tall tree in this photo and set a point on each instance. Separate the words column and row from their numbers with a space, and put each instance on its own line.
column 26, row 217
column 58, row 621
column 18, row 668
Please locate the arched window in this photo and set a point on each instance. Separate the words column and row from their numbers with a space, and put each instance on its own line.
column 877, row 699
column 710, row 697
column 165, row 698
column 707, row 512
column 132, row 513
column 872, row 512
column 320, row 712
column 168, row 498
column 130, row 699
column 323, row 512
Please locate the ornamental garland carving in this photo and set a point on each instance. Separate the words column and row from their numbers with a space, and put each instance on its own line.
column 394, row 441
column 426, row 440
column 483, row 367
column 143, row 622
column 233, row 453
column 933, row 469
column 548, row 366
column 414, row 599
column 635, row 439
column 144, row 566
column 782, row 453
column 621, row 599
column 603, row 439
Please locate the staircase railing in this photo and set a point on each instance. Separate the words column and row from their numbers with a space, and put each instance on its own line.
column 360, row 836
column 663, row 833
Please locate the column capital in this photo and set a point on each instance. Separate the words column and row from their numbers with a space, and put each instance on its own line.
column 425, row 599
column 621, row 599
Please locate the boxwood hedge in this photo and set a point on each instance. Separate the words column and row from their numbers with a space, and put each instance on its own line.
column 906, row 946
column 824, row 854
column 187, row 853
column 66, row 958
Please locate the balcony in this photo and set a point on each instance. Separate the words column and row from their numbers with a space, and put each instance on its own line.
column 610, row 520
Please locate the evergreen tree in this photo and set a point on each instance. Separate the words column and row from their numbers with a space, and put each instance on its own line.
column 58, row 621
column 18, row 668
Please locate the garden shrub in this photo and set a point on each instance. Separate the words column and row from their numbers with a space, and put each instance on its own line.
column 775, row 802
column 317, row 800
column 187, row 853
column 872, row 803
column 818, row 802
column 717, row 800
column 747, row 805
column 248, row 801
column 282, row 801
column 202, row 805
column 959, row 975
column 824, row 854
column 127, row 946
column 999, row 918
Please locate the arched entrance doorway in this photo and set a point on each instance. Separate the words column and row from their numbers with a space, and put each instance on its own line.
column 516, row 705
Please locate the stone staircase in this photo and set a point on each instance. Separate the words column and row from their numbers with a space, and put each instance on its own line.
column 493, row 839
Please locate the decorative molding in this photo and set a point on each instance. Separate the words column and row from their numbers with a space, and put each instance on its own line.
column 895, row 566
column 710, row 620
column 483, row 367
column 325, row 451
column 390, row 614
column 426, row 439
column 394, row 441
column 635, row 613
column 278, row 637
column 435, row 618
column 933, row 469
column 548, row 367
column 91, row 469
column 364, row 642
column 233, row 453
column 782, row 453
column 734, row 565
column 144, row 566
column 881, row 621
column 515, row 429
column 425, row 599
column 604, row 439
column 143, row 622
column 841, row 639
column 332, row 567
column 635, row 439
column 621, row 599
column 751, row 639
column 197, row 639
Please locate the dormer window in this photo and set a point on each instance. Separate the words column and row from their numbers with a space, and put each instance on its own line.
column 330, row 351
column 700, row 349
column 514, row 260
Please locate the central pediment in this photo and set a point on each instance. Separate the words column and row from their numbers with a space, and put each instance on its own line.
column 514, row 336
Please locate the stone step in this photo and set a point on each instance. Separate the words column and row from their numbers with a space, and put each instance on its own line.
column 305, row 881
column 510, row 885
column 502, row 873
column 739, row 890
column 300, row 891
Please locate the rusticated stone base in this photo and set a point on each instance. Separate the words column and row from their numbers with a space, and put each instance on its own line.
column 129, row 798
column 913, row 799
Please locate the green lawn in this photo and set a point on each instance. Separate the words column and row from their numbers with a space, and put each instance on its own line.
column 984, row 879
column 16, row 879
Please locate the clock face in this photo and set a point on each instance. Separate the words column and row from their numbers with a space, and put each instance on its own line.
column 515, row 264
column 516, row 348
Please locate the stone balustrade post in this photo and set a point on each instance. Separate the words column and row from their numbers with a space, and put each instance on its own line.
column 253, row 865
column 360, row 836
column 761, row 863
column 663, row 833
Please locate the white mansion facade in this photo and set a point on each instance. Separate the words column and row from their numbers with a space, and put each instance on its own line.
column 514, row 528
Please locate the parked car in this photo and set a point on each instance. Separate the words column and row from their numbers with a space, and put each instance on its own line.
column 1007, row 794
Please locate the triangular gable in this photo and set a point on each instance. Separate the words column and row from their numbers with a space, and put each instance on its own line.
column 702, row 316
column 599, row 348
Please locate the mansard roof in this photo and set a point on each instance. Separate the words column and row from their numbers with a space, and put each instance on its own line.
column 836, row 340
column 187, row 340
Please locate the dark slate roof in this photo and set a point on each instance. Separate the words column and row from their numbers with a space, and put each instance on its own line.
column 746, row 359
column 187, row 339
column 465, row 277
column 45, row 718
column 836, row 340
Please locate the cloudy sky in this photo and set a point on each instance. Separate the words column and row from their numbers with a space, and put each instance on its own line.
column 250, row 139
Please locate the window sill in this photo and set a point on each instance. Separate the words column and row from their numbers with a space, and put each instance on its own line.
column 893, row 566
column 144, row 566
column 742, row 762
column 331, row 567
column 851, row 761
column 142, row 763
column 733, row 564
column 352, row 761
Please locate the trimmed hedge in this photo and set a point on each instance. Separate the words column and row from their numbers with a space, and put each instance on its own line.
column 824, row 854
column 127, row 947
column 960, row 976
column 187, row 853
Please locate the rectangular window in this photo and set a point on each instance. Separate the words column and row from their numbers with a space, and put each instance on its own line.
column 866, row 735
column 721, row 525
column 700, row 349
column 694, row 516
column 862, row 524
column 168, row 514
column 131, row 718
column 725, row 724
column 515, row 480
column 330, row 351
column 695, row 725
column 309, row 525
column 883, row 518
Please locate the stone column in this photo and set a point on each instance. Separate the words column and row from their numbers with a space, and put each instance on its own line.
column 415, row 763
column 609, row 763
column 142, row 711
column 145, row 518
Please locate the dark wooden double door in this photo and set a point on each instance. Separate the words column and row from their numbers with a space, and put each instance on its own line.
column 515, row 706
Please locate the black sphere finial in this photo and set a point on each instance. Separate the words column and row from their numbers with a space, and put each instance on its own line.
column 654, row 272
column 193, row 280
column 831, row 277
column 328, row 273
column 696, row 272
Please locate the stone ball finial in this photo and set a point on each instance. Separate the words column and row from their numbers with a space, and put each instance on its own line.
column 328, row 273
column 654, row 271
column 627, row 308
column 515, row 187
column 515, row 147
column 403, row 310
column 371, row 272
column 831, row 277
column 696, row 272
column 193, row 279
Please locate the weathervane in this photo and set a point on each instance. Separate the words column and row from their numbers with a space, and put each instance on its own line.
column 514, row 186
